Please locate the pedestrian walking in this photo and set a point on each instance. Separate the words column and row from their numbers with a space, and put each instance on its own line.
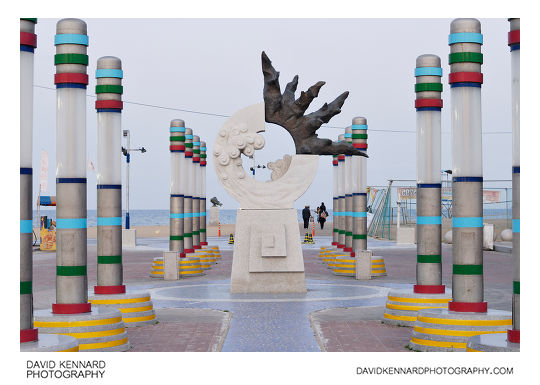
column 322, row 214
column 306, row 214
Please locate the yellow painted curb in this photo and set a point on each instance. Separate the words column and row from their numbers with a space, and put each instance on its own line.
column 139, row 319
column 412, row 308
column 344, row 271
column 445, row 321
column 472, row 350
column 419, row 300
column 118, row 301
column 135, row 309
column 399, row 317
column 455, row 333
column 103, row 333
column 440, row 344
column 74, row 324
column 99, row 345
column 73, row 349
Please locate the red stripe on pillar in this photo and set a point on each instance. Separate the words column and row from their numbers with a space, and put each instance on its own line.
column 28, row 38
column 71, row 78
column 177, row 147
column 473, row 307
column 71, row 308
column 120, row 289
column 511, row 335
column 429, row 289
column 460, row 77
column 360, row 145
column 109, row 104
column 29, row 335
column 513, row 37
column 427, row 103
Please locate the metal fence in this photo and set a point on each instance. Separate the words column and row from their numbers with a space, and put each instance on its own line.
column 397, row 202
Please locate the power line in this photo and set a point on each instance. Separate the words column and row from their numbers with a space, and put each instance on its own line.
column 228, row 116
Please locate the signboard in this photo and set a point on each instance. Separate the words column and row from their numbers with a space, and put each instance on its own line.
column 409, row 193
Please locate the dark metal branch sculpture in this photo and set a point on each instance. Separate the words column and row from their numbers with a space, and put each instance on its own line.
column 287, row 112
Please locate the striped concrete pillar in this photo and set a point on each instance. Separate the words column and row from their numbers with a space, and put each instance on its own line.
column 359, row 207
column 465, row 80
column 202, row 207
column 176, row 222
column 348, row 186
column 27, row 45
column 513, row 42
column 71, row 80
column 109, row 176
column 341, row 196
column 335, row 197
column 428, row 104
column 187, row 181
column 196, row 173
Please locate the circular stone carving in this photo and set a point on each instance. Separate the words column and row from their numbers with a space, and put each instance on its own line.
column 240, row 135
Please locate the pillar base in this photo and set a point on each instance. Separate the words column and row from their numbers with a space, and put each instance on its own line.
column 100, row 330
column 136, row 308
column 29, row 335
column 189, row 266
column 71, row 308
column 402, row 306
column 51, row 343
column 441, row 330
column 491, row 343
column 378, row 268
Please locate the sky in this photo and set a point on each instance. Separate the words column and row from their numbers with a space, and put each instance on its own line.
column 203, row 70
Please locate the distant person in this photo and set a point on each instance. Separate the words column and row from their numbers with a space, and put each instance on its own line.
column 323, row 214
column 306, row 214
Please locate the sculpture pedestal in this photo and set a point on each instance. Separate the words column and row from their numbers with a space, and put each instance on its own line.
column 267, row 254
column 214, row 216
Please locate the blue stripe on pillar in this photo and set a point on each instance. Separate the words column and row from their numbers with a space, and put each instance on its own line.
column 467, row 222
column 71, row 223
column 433, row 220
column 26, row 226
column 109, row 221
column 515, row 225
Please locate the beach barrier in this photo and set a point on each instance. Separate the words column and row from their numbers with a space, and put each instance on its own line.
column 378, row 268
column 136, row 308
column 231, row 239
column 187, row 267
column 100, row 330
column 402, row 307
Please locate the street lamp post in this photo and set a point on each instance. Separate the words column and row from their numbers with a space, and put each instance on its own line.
column 126, row 151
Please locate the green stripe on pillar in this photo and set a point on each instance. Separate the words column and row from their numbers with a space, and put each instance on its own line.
column 348, row 233
column 359, row 236
column 71, row 58
column 422, row 258
column 187, row 235
column 177, row 138
column 342, row 231
column 468, row 269
column 189, row 145
column 109, row 259
column 460, row 57
column 359, row 136
column 420, row 87
column 195, row 232
column 70, row 270
column 203, row 156
column 109, row 89
column 195, row 151
column 26, row 287
column 336, row 230
column 516, row 287
column 176, row 237
column 202, row 230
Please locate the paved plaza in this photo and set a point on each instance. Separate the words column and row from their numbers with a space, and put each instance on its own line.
column 336, row 314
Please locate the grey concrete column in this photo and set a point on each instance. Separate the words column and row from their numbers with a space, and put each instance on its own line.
column 71, row 80
column 335, row 213
column 28, row 43
column 467, row 223
column 109, row 182
column 202, row 201
column 514, row 43
column 188, row 205
column 428, row 104
column 341, row 196
column 359, row 207
column 196, row 187
column 348, row 195
column 176, row 213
